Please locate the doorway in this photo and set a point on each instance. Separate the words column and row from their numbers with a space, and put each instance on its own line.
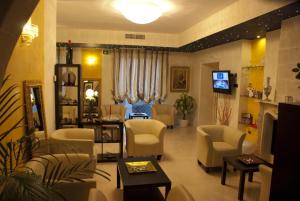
column 208, row 100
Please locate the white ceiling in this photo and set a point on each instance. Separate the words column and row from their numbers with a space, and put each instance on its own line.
column 100, row 14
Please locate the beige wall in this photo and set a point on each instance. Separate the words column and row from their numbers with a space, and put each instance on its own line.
column 289, row 56
column 271, row 60
column 114, row 37
column 229, row 57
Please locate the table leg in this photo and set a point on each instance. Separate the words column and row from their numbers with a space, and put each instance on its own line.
column 241, row 186
column 121, row 140
column 168, row 188
column 118, row 177
column 250, row 177
column 223, row 178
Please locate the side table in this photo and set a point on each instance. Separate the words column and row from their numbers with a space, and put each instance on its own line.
column 243, row 168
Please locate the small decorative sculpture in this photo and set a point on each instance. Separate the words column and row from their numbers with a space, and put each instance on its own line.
column 250, row 90
column 69, row 53
column 268, row 89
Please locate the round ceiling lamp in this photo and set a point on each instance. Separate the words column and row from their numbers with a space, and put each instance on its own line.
column 140, row 11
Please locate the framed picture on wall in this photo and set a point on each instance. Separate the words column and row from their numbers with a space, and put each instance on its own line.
column 88, row 85
column 180, row 79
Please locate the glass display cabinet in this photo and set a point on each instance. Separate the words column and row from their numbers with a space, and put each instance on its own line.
column 67, row 95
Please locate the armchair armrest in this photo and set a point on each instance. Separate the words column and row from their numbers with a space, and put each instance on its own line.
column 204, row 147
column 159, row 130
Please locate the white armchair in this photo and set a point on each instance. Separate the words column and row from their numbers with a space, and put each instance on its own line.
column 113, row 112
column 75, row 191
column 72, row 140
column 266, row 178
column 163, row 113
column 145, row 137
column 216, row 141
column 179, row 193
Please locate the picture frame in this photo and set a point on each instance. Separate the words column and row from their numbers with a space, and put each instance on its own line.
column 88, row 85
column 180, row 79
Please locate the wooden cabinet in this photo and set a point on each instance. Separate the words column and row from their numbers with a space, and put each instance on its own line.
column 285, row 177
column 67, row 95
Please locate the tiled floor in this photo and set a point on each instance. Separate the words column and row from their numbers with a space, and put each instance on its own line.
column 180, row 164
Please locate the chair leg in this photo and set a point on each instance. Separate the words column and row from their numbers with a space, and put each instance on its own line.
column 206, row 169
column 158, row 157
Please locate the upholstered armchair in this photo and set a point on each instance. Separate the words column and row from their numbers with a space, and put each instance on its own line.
column 113, row 112
column 72, row 140
column 73, row 190
column 179, row 193
column 266, row 178
column 216, row 141
column 144, row 137
column 163, row 113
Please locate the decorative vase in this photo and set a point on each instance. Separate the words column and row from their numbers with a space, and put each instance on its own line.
column 69, row 53
column 69, row 78
column 268, row 89
column 183, row 123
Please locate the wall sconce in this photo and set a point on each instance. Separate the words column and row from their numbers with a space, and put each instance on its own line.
column 91, row 60
column 29, row 32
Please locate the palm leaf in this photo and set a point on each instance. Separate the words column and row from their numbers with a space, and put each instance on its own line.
column 7, row 93
column 4, row 81
column 15, row 126
column 2, row 112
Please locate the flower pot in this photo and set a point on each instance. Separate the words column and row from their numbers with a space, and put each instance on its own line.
column 183, row 123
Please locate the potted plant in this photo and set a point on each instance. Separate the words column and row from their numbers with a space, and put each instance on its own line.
column 184, row 105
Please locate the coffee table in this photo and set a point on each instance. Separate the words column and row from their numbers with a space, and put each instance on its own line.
column 243, row 168
column 142, row 186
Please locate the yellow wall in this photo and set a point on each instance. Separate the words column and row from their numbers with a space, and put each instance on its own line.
column 258, row 51
column 91, row 63
column 26, row 63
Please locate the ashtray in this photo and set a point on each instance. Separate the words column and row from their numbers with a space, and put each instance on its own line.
column 140, row 167
column 250, row 160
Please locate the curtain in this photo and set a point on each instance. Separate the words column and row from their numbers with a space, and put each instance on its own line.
column 140, row 75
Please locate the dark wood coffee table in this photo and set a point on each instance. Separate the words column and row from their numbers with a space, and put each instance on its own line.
column 142, row 186
column 243, row 168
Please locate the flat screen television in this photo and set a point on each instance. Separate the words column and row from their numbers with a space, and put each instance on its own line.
column 221, row 81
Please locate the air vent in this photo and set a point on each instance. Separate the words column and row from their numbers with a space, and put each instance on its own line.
column 135, row 36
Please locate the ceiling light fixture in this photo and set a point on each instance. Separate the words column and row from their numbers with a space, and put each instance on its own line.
column 141, row 11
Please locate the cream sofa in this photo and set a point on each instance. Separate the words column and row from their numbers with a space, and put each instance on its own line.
column 144, row 137
column 72, row 191
column 113, row 112
column 179, row 193
column 72, row 140
column 216, row 141
column 163, row 113
column 266, row 177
